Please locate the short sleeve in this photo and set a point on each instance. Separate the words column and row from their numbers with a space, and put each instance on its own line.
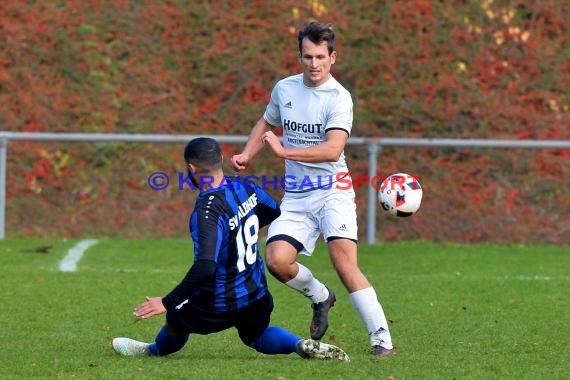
column 272, row 114
column 340, row 113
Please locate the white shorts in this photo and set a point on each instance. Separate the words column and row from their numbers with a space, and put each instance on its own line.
column 304, row 218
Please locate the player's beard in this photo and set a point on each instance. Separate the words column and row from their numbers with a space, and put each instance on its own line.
column 192, row 176
column 194, row 182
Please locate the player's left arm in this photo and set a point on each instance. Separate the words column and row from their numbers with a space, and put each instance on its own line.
column 327, row 151
column 151, row 307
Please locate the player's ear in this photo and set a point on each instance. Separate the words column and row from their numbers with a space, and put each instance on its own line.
column 333, row 57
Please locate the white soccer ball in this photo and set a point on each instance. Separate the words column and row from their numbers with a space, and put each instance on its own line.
column 400, row 195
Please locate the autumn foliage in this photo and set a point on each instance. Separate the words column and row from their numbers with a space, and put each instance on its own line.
column 418, row 68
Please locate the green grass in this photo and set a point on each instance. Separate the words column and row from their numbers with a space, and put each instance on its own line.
column 456, row 312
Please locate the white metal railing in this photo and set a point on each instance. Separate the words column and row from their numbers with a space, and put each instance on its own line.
column 374, row 148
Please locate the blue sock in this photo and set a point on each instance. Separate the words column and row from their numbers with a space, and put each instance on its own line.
column 276, row 340
column 166, row 344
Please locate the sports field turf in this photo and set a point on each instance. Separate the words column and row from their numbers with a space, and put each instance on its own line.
column 456, row 312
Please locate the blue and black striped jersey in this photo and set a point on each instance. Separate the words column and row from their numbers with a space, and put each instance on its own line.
column 225, row 226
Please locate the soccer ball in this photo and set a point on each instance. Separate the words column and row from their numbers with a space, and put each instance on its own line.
column 400, row 195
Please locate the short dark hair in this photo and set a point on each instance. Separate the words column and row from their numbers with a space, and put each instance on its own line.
column 204, row 152
column 317, row 32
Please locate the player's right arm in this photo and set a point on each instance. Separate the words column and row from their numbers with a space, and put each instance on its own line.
column 253, row 146
column 270, row 120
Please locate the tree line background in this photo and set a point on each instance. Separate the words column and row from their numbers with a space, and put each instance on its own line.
column 418, row 68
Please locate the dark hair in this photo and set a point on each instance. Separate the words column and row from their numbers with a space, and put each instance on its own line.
column 317, row 32
column 204, row 152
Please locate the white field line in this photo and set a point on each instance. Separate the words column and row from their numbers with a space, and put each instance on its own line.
column 75, row 253
column 535, row 278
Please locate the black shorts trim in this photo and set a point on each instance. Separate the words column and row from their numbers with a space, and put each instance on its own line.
column 291, row 240
column 331, row 238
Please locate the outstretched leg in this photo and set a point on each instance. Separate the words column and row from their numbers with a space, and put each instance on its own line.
column 276, row 340
column 167, row 342
column 343, row 254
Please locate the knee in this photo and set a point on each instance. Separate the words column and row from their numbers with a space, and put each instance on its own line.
column 351, row 276
column 345, row 268
column 273, row 261
column 281, row 264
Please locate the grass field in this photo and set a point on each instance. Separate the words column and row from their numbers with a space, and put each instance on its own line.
column 456, row 312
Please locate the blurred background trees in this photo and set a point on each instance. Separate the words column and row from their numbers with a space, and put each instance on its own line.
column 418, row 68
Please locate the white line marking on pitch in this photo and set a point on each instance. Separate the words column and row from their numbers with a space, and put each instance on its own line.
column 535, row 278
column 75, row 253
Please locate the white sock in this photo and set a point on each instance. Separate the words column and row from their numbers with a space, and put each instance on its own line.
column 367, row 306
column 309, row 286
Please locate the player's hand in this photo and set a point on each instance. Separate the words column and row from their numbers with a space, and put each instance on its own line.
column 239, row 161
column 272, row 140
column 153, row 306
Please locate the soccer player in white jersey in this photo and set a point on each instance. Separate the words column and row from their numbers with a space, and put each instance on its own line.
column 315, row 113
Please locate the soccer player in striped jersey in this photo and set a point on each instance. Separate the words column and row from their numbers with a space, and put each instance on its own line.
column 226, row 286
column 315, row 113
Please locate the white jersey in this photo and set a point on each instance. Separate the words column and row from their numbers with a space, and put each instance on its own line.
column 306, row 114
